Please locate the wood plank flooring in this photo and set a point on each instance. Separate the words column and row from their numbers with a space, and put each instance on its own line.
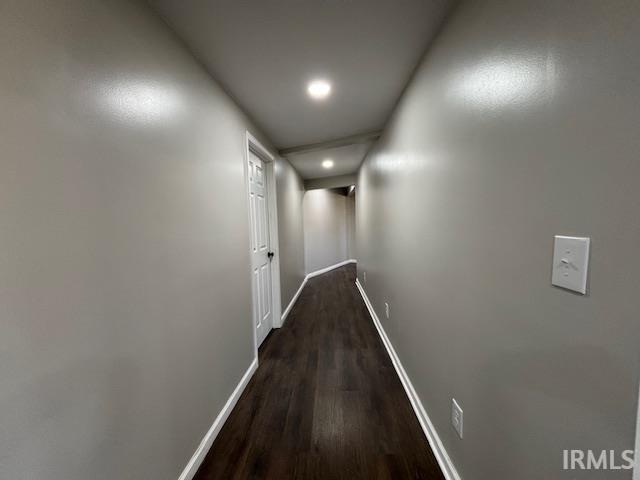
column 325, row 402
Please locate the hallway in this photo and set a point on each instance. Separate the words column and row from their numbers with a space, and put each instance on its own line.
column 278, row 239
column 325, row 403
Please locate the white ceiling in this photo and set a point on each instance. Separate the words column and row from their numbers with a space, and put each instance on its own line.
column 264, row 52
column 346, row 160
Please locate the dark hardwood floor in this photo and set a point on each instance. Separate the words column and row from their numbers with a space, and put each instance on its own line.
column 325, row 403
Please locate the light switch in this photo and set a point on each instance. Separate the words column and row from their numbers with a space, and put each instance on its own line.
column 570, row 263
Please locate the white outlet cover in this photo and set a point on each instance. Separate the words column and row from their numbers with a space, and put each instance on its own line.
column 571, row 263
column 457, row 417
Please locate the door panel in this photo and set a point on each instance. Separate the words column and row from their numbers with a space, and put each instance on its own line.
column 260, row 262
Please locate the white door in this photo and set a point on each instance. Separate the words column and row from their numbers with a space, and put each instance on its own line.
column 260, row 253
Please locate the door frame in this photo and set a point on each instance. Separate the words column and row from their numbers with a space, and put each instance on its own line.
column 252, row 144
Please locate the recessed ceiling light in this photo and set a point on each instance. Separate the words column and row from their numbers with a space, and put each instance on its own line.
column 328, row 163
column 319, row 89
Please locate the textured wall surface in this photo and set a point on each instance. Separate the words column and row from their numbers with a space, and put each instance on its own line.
column 124, row 253
column 325, row 229
column 290, row 234
column 521, row 123
column 351, row 227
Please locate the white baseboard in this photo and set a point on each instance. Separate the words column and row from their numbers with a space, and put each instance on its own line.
column 329, row 268
column 448, row 469
column 304, row 282
column 195, row 462
column 293, row 301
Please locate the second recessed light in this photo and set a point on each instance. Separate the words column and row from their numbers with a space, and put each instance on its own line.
column 328, row 163
column 319, row 89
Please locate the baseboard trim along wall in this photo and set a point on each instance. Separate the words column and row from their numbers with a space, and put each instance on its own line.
column 304, row 282
column 198, row 457
column 329, row 268
column 293, row 300
column 448, row 469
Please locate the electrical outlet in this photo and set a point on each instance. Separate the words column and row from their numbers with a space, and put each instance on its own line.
column 456, row 417
column 386, row 309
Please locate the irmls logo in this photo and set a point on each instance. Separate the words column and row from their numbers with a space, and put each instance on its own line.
column 603, row 460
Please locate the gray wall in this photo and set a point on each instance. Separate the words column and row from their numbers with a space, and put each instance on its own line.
column 124, row 279
column 290, row 234
column 351, row 226
column 325, row 229
column 521, row 123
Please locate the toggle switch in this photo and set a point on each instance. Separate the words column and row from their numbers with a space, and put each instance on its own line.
column 571, row 263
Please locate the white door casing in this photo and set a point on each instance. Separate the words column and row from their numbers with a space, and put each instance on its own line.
column 260, row 247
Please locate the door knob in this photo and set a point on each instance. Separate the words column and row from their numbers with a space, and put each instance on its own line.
column 270, row 255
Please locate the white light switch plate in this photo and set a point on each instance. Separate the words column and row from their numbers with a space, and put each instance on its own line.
column 571, row 263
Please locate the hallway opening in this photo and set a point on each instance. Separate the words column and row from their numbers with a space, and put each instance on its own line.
column 329, row 227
